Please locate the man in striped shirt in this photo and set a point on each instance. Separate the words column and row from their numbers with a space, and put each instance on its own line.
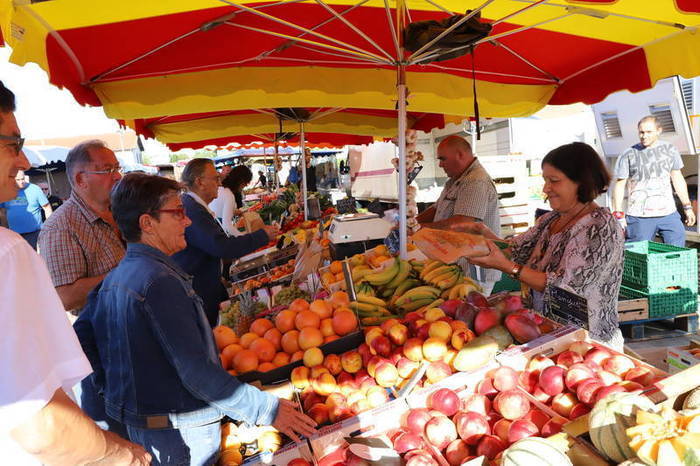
column 468, row 195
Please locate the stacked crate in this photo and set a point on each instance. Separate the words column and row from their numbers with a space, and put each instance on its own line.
column 510, row 175
column 666, row 275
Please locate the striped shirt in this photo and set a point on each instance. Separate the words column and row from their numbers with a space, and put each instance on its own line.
column 473, row 194
column 76, row 243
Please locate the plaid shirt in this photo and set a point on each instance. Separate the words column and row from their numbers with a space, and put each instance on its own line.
column 473, row 194
column 76, row 243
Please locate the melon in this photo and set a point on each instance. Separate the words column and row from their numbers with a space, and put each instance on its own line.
column 609, row 420
column 668, row 438
column 476, row 354
column 501, row 335
column 692, row 400
column 534, row 451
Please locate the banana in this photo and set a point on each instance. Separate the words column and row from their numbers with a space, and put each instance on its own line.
column 455, row 291
column 387, row 292
column 436, row 273
column 446, row 294
column 362, row 307
column 435, row 303
column 401, row 275
column 431, row 290
column 377, row 320
column 419, row 296
column 412, row 306
column 405, row 286
column 429, row 266
column 468, row 288
column 361, row 298
column 443, row 276
column 448, row 282
column 385, row 276
column 359, row 272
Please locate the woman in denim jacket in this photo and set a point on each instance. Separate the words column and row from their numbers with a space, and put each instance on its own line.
column 151, row 347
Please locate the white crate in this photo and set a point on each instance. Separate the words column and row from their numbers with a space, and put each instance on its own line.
column 282, row 456
column 680, row 358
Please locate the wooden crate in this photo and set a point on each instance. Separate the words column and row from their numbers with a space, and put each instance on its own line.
column 633, row 309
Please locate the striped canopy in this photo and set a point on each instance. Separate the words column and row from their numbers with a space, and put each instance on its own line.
column 145, row 59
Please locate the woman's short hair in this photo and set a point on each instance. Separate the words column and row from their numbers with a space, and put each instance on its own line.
column 238, row 177
column 137, row 194
column 582, row 165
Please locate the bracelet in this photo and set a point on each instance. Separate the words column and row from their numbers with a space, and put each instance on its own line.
column 515, row 272
column 687, row 207
column 618, row 215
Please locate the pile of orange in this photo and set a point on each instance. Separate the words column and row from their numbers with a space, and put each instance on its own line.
column 273, row 343
column 333, row 274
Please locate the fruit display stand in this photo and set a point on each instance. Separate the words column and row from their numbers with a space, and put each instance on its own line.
column 262, row 260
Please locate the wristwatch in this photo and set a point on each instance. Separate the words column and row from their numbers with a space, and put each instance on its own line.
column 687, row 207
column 618, row 215
column 515, row 272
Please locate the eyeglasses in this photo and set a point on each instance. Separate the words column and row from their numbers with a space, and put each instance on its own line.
column 107, row 171
column 17, row 144
column 179, row 214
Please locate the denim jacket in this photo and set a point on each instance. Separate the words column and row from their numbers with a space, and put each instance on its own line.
column 153, row 352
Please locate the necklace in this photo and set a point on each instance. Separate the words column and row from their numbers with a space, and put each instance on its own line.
column 557, row 230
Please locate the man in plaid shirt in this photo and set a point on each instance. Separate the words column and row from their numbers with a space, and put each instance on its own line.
column 468, row 195
column 80, row 242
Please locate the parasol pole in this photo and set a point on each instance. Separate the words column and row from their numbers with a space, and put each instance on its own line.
column 401, row 91
column 302, row 147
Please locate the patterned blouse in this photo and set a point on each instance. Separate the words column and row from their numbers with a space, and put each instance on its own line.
column 586, row 259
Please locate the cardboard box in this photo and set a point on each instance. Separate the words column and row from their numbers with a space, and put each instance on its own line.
column 681, row 358
column 283, row 456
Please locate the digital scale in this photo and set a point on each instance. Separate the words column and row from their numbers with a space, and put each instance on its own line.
column 352, row 234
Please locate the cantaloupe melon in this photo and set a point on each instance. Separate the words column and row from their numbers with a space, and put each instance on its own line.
column 534, row 451
column 692, row 400
column 666, row 439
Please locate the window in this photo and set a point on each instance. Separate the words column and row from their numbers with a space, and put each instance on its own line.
column 687, row 90
column 664, row 117
column 611, row 125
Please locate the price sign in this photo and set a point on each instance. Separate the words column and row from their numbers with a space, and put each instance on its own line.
column 567, row 308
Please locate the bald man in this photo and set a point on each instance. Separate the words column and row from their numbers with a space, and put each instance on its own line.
column 468, row 195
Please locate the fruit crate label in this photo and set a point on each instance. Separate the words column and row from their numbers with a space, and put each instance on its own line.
column 567, row 308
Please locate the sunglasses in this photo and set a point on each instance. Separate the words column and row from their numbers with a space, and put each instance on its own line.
column 17, row 144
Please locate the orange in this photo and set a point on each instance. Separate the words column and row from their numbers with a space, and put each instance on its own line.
column 307, row 319
column 281, row 359
column 327, row 327
column 290, row 341
column 284, row 321
column 225, row 361
column 275, row 337
column 245, row 361
column 310, row 337
column 224, row 336
column 266, row 366
column 340, row 298
column 260, row 326
column 342, row 308
column 247, row 339
column 264, row 349
column 230, row 351
column 232, row 372
column 322, row 308
column 299, row 304
column 297, row 356
column 344, row 322
column 327, row 278
column 336, row 267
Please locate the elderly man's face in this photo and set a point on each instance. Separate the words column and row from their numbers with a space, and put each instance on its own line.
column 11, row 161
column 451, row 160
column 101, row 174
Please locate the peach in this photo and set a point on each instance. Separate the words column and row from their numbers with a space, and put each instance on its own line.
column 458, row 325
column 552, row 427
column 422, row 331
column 348, row 387
column 618, row 364
column 610, row 389
column 608, row 378
column 441, row 330
column 538, row 363
column 490, row 446
column 413, row 349
column 327, row 327
column 641, row 375
column 569, row 358
column 500, row 429
column 336, row 399
column 537, row 417
column 520, row 429
column 450, row 356
column 313, row 357
column 386, row 374
column 512, row 404
column 316, row 371
column 461, row 337
column 485, row 387
column 319, row 413
column 552, row 380
column 433, row 314
column 471, row 427
column 387, row 324
column 398, row 334
column 354, row 397
column 579, row 410
column 376, row 396
column 308, row 399
column 541, row 396
column 440, row 431
column 380, row 345
column 563, row 403
column 586, row 390
column 405, row 441
column 576, row 374
column 580, row 347
column 324, row 384
column 338, row 413
column 373, row 333
column 300, row 377
column 365, row 352
column 505, row 378
column 597, row 355
column 434, row 349
column 406, row 367
column 351, row 361
column 416, row 419
column 457, row 452
column 332, row 363
column 476, row 403
column 372, row 364
column 296, row 356
column 528, row 380
column 360, row 406
column 630, row 386
column 437, row 371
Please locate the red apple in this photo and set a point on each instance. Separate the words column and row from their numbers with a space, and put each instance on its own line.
column 471, row 427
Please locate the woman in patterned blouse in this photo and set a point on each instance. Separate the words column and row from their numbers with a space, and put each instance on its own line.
column 578, row 247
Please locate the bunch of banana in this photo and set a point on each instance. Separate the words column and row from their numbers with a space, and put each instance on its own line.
column 364, row 288
column 443, row 276
column 417, row 266
column 370, row 307
column 417, row 297
column 359, row 272
column 461, row 290
column 392, row 276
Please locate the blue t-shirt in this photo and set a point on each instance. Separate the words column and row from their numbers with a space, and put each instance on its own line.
column 24, row 211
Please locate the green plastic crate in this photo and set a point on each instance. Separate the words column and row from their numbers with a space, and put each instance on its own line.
column 653, row 267
column 667, row 302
